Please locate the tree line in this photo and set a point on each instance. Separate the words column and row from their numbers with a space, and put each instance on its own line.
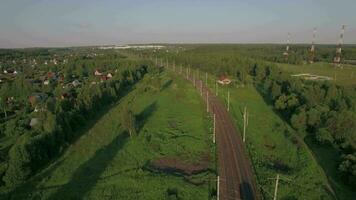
column 62, row 119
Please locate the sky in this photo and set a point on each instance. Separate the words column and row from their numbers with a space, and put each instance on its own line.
column 59, row 23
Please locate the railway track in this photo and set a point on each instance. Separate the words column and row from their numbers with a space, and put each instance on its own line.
column 234, row 167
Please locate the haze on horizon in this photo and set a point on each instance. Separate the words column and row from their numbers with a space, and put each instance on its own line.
column 45, row 23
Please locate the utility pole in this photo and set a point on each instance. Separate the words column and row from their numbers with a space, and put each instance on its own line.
column 312, row 48
column 245, row 123
column 276, row 188
column 161, row 62
column 218, row 188
column 194, row 79
column 228, row 100
column 207, row 101
column 206, row 78
column 201, row 88
column 337, row 58
column 214, row 132
column 186, row 71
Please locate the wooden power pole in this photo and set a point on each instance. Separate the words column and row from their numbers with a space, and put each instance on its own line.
column 206, row 78
column 201, row 88
column 245, row 123
column 218, row 188
column 207, row 101
column 214, row 131
column 228, row 100
column 276, row 188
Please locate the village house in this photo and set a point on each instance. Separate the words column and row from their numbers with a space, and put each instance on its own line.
column 10, row 71
column 36, row 98
column 75, row 83
column 46, row 82
column 109, row 75
column 33, row 122
column 51, row 75
column 98, row 73
column 224, row 80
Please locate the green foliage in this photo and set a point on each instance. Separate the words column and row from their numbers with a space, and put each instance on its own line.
column 128, row 121
column 59, row 117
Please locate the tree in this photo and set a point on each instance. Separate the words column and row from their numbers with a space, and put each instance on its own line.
column 323, row 136
column 276, row 90
column 128, row 121
column 299, row 120
column 3, row 105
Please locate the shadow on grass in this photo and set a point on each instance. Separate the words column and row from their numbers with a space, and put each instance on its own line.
column 145, row 115
column 25, row 189
column 167, row 84
column 88, row 174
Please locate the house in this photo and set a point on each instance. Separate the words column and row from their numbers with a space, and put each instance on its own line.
column 224, row 80
column 46, row 82
column 75, row 83
column 33, row 122
column 51, row 75
column 103, row 78
column 10, row 71
column 109, row 75
column 10, row 99
column 36, row 98
column 65, row 95
column 98, row 73
column 39, row 109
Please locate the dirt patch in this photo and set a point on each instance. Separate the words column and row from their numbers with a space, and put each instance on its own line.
column 177, row 165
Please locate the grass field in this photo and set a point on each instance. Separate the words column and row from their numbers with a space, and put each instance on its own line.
column 105, row 163
column 276, row 148
column 326, row 158
column 345, row 76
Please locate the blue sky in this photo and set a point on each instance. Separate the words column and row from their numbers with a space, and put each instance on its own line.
column 28, row 23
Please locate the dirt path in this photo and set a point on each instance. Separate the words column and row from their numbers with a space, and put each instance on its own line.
column 235, row 170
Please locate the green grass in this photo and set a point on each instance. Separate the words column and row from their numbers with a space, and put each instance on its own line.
column 106, row 164
column 344, row 76
column 270, row 139
column 326, row 158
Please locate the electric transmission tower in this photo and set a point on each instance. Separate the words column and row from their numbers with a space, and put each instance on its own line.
column 337, row 58
column 312, row 48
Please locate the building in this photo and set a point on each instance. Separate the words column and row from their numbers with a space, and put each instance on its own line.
column 224, row 80
column 98, row 73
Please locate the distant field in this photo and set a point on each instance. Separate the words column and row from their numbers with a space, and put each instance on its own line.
column 344, row 76
column 276, row 148
column 106, row 164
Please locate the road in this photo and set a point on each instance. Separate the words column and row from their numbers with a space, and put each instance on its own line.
column 237, row 180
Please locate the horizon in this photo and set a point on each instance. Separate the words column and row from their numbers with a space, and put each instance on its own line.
column 217, row 43
column 40, row 23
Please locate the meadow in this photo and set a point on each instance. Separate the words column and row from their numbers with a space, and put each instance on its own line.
column 274, row 147
column 106, row 163
column 345, row 76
